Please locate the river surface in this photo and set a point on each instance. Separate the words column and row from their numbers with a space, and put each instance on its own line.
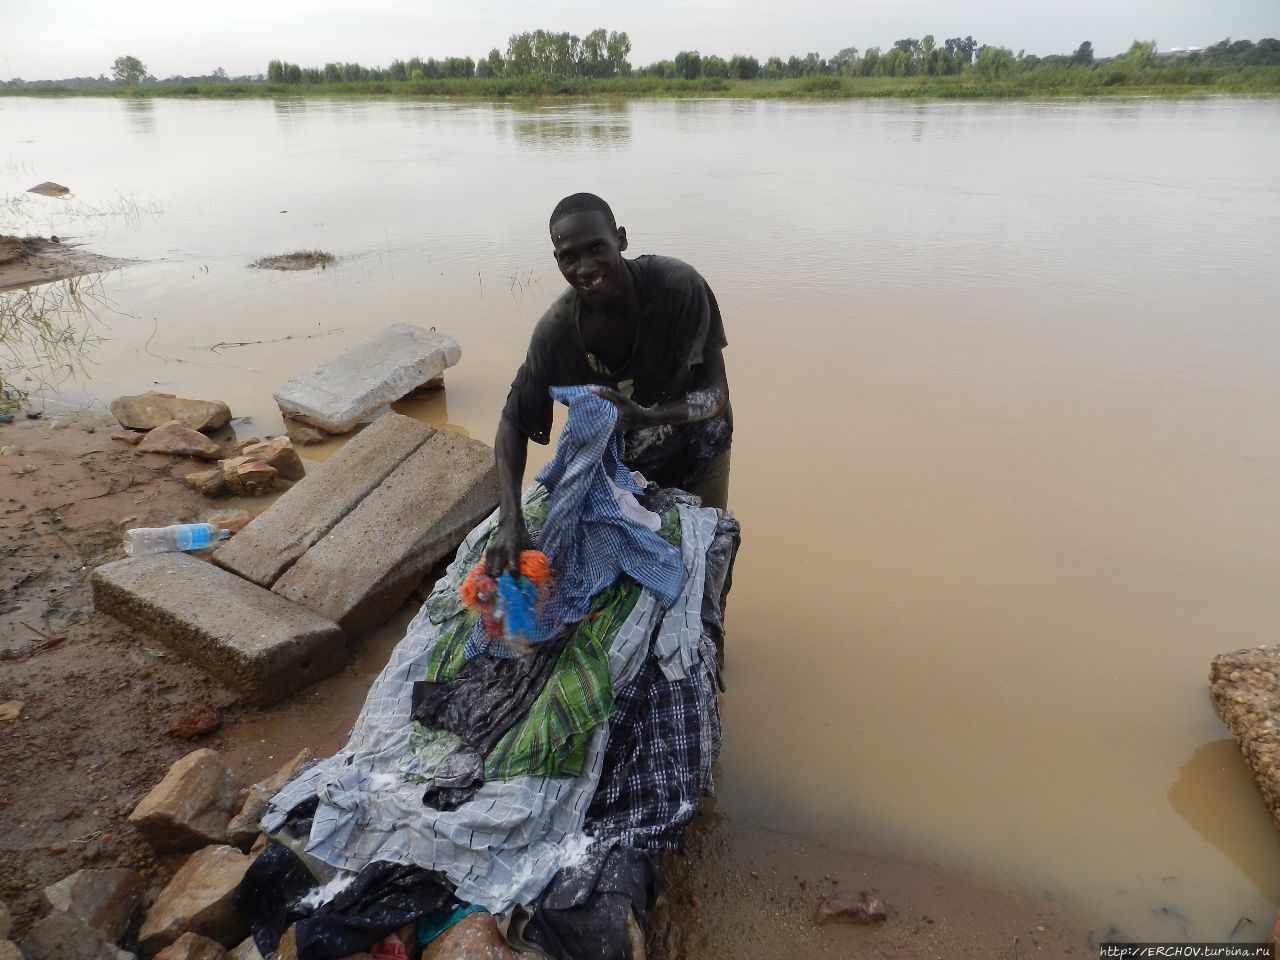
column 1006, row 379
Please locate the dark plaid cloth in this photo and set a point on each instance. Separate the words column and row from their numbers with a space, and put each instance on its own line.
column 652, row 776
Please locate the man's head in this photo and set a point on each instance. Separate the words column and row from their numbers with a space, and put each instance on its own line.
column 587, row 244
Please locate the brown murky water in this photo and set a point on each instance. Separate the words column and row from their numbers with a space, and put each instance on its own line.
column 1006, row 379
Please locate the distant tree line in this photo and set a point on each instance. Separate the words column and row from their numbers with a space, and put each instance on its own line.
column 603, row 54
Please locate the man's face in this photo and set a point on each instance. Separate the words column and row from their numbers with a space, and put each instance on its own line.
column 589, row 255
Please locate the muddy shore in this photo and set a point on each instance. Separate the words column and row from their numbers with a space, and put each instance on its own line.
column 32, row 260
column 98, row 701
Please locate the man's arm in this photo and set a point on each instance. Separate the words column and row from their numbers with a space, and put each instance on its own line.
column 707, row 397
column 511, row 450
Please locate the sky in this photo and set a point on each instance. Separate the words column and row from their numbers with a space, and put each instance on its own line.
column 53, row 39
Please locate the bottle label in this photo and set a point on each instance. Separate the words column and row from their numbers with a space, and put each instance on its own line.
column 193, row 536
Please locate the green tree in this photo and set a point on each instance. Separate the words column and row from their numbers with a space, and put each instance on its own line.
column 744, row 68
column 1141, row 53
column 688, row 64
column 994, row 62
column 714, row 66
column 618, row 48
column 129, row 70
column 1084, row 55
column 774, row 68
column 275, row 71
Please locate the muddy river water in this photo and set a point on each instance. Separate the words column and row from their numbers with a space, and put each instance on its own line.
column 1007, row 386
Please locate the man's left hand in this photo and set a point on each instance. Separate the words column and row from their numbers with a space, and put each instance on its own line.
column 630, row 414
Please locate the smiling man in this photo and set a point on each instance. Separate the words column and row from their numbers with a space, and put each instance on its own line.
column 647, row 333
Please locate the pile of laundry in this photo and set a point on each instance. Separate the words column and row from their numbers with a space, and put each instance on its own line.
column 539, row 782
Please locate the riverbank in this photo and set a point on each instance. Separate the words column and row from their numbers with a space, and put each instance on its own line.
column 100, row 705
column 1036, row 82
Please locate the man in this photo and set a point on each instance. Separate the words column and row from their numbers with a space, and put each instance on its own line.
column 647, row 333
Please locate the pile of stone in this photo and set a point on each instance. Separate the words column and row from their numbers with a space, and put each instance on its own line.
column 333, row 558
column 164, row 423
column 195, row 809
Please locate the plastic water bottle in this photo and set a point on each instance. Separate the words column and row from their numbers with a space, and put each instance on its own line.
column 144, row 541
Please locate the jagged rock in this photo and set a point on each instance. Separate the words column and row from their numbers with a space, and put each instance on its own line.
column 304, row 435
column 242, row 831
column 195, row 723
column 245, row 950
column 130, row 437
column 247, row 476
column 198, row 900
column 49, row 189
column 474, row 937
column 6, row 921
column 62, row 937
column 146, row 411
column 192, row 946
column 103, row 899
column 1246, row 694
column 210, row 482
column 177, row 438
column 848, row 907
column 233, row 520
column 9, row 951
column 190, row 807
column 277, row 453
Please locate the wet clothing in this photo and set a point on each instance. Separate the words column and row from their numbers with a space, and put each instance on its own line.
column 679, row 320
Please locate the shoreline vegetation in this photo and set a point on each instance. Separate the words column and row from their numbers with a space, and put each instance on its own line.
column 541, row 64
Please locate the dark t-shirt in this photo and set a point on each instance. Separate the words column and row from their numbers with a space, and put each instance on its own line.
column 678, row 320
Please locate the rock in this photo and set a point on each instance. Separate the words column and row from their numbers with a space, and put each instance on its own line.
column 848, row 907
column 256, row 641
column 11, row 710
column 177, row 438
column 192, row 946
column 474, row 937
column 210, row 482
column 131, row 438
column 1246, row 695
column 303, row 435
column 233, row 520
column 277, row 453
column 103, row 899
column 190, row 807
column 243, row 829
column 58, row 423
column 194, row 724
column 6, row 921
column 9, row 951
column 198, row 900
column 49, row 189
column 247, row 476
column 147, row 411
column 341, row 392
column 62, row 937
column 360, row 573
column 280, row 535
column 245, row 950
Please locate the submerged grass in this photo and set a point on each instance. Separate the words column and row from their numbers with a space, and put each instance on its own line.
column 1117, row 80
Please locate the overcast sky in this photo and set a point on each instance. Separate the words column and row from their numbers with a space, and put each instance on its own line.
column 52, row 39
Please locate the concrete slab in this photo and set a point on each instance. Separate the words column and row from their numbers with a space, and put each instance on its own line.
column 341, row 392
column 1245, row 686
column 373, row 558
column 276, row 538
column 251, row 638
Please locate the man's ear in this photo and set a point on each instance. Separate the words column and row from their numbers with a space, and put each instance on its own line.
column 622, row 239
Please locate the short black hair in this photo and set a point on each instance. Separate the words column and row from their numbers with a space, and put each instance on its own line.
column 581, row 203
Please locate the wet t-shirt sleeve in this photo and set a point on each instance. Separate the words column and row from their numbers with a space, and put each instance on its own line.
column 529, row 407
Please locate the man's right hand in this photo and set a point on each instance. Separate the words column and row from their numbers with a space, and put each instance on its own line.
column 510, row 540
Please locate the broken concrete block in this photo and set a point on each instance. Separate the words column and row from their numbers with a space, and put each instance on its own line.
column 177, row 438
column 60, row 936
column 103, row 899
column 192, row 946
column 190, row 807
column 146, row 411
column 243, row 829
column 373, row 558
column 248, row 637
column 341, row 392
column 276, row 538
column 198, row 899
column 1246, row 694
